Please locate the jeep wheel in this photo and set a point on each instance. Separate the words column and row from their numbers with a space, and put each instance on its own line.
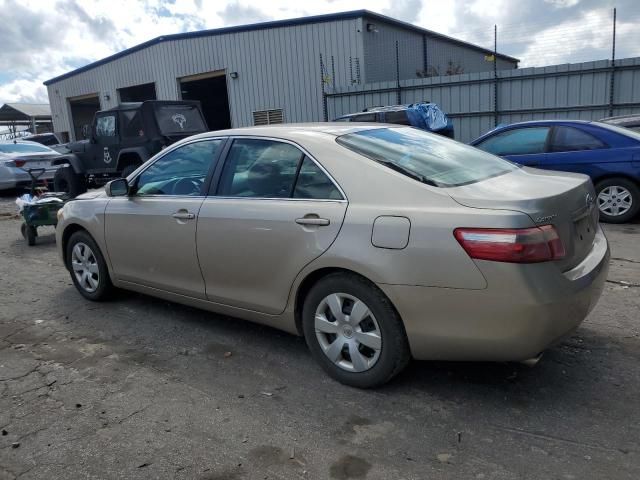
column 66, row 180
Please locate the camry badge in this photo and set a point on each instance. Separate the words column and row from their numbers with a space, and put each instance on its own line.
column 546, row 218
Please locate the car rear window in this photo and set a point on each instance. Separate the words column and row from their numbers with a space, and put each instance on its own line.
column 621, row 130
column 438, row 160
column 23, row 148
column 179, row 119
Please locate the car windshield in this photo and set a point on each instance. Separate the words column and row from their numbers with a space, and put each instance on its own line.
column 425, row 156
column 629, row 132
column 23, row 148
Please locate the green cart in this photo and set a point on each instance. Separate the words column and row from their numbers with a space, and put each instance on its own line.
column 40, row 214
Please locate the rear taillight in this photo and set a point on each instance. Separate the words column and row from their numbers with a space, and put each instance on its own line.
column 514, row 245
column 19, row 163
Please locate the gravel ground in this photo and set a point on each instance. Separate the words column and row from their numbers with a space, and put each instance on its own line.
column 141, row 388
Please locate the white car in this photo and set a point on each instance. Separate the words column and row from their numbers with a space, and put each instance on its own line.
column 17, row 157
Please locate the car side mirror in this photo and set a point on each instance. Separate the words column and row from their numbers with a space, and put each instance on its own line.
column 117, row 188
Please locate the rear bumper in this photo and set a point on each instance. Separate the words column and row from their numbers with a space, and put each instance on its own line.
column 523, row 310
column 13, row 177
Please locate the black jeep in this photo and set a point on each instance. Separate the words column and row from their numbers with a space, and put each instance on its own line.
column 124, row 137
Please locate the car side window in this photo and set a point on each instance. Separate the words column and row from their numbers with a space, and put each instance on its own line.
column 521, row 141
column 258, row 168
column 106, row 126
column 180, row 172
column 398, row 118
column 569, row 139
column 131, row 124
column 313, row 183
column 367, row 117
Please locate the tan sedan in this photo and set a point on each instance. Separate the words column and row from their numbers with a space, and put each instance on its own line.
column 377, row 243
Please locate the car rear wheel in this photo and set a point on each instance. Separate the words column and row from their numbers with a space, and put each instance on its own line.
column 354, row 332
column 87, row 267
column 66, row 180
column 618, row 200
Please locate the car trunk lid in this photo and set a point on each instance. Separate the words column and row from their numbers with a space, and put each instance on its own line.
column 564, row 200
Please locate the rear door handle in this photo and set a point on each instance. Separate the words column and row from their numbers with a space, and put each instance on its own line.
column 184, row 216
column 319, row 222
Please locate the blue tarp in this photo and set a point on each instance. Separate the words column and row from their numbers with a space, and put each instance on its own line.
column 428, row 116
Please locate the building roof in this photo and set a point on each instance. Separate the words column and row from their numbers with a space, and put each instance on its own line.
column 277, row 24
column 24, row 111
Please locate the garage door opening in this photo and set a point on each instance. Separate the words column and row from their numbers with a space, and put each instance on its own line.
column 211, row 90
column 137, row 93
column 82, row 111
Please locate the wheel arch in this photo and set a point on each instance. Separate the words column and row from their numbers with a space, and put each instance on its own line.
column 66, row 235
column 72, row 160
column 611, row 175
column 313, row 277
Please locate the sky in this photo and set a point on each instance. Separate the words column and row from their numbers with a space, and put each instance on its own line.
column 42, row 39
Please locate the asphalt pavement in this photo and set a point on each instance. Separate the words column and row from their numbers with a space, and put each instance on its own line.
column 141, row 388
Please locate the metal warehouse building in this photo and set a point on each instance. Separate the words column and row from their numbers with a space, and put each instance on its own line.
column 263, row 73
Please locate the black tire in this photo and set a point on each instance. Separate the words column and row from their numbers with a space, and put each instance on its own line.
column 394, row 352
column 128, row 170
column 104, row 287
column 32, row 233
column 66, row 180
column 29, row 234
column 634, row 194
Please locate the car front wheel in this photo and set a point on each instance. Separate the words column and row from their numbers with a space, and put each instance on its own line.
column 353, row 331
column 618, row 200
column 87, row 267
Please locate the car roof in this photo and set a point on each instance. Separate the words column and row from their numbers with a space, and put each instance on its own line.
column 622, row 120
column 294, row 131
column 137, row 105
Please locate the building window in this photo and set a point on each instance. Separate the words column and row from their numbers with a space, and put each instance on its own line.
column 268, row 117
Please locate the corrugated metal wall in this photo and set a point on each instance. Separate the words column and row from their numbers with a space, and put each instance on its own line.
column 576, row 91
column 441, row 55
column 277, row 68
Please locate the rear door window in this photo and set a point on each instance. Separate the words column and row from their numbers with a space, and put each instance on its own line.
column 313, row 183
column 257, row 168
column 569, row 139
column 520, row 141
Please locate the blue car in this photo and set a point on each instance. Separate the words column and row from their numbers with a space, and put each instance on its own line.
column 610, row 155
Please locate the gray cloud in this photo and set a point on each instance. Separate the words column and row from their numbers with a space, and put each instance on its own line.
column 405, row 10
column 236, row 14
column 100, row 28
column 555, row 31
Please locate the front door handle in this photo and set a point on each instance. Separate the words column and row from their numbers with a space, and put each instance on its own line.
column 182, row 215
column 318, row 222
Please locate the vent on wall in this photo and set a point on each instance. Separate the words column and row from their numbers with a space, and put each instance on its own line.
column 268, row 117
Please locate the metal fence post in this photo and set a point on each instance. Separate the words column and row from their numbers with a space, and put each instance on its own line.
column 613, row 67
column 495, row 76
column 325, row 113
column 399, row 91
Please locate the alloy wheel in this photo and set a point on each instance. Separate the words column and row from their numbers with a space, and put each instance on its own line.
column 85, row 267
column 615, row 200
column 348, row 332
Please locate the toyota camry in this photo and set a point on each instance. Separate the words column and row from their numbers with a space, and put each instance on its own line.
column 377, row 243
